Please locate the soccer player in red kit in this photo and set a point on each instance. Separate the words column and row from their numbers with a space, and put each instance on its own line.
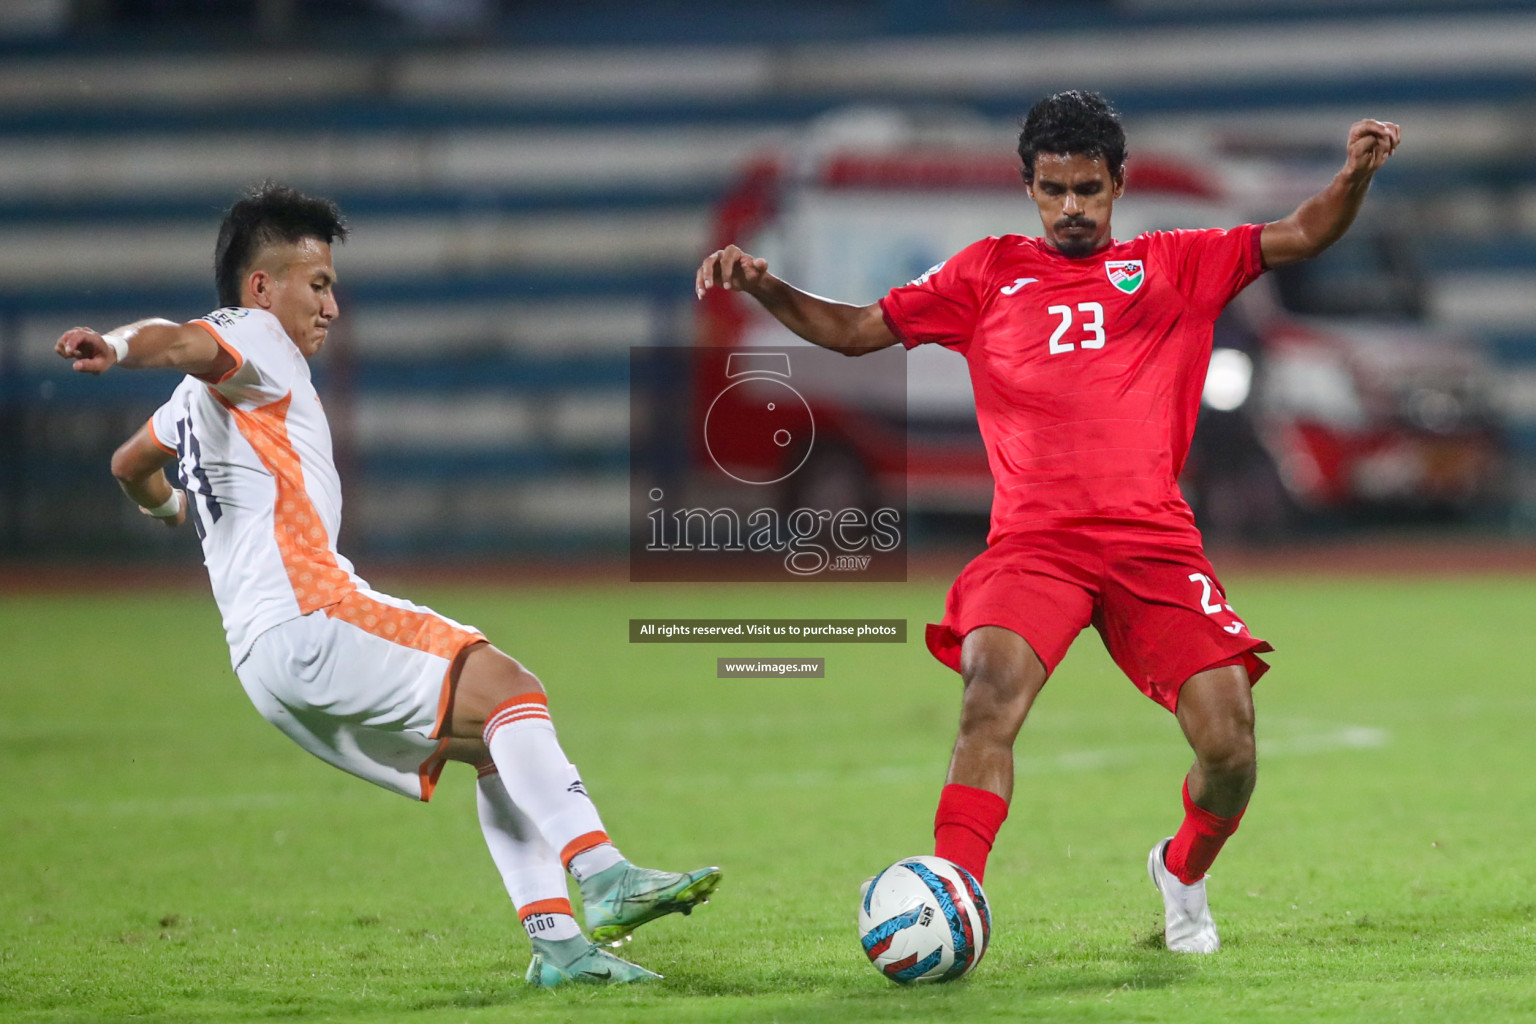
column 1087, row 357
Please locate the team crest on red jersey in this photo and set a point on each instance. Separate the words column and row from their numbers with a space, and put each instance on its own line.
column 1126, row 275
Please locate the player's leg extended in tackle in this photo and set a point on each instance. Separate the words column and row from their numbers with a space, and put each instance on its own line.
column 498, row 719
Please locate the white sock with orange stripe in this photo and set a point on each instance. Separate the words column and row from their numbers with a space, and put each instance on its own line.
column 545, row 785
column 529, row 868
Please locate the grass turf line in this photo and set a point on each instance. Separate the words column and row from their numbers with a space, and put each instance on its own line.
column 168, row 856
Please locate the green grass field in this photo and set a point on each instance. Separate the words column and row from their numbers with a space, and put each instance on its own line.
column 168, row 856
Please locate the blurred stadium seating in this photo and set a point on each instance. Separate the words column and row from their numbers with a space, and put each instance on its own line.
column 530, row 187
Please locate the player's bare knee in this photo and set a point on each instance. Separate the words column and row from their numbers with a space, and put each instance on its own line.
column 1215, row 710
column 1232, row 756
column 994, row 659
column 996, row 701
column 484, row 679
column 515, row 679
column 986, row 718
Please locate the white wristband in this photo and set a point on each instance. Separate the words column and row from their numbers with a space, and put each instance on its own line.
column 118, row 344
column 169, row 509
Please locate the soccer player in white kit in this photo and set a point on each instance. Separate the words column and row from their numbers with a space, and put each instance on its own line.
column 379, row 687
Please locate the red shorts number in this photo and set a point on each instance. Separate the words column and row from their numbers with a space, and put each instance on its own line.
column 1147, row 588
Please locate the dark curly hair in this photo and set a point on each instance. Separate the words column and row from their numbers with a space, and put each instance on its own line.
column 1076, row 122
column 268, row 215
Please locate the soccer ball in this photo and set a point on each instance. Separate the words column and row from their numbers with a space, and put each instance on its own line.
column 924, row 919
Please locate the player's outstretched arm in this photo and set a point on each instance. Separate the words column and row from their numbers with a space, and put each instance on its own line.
column 851, row 330
column 1322, row 220
column 144, row 345
column 139, row 466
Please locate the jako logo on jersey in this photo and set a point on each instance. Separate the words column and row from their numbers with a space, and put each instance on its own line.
column 928, row 273
column 1013, row 289
column 1126, row 275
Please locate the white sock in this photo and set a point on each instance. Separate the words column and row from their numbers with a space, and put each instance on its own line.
column 529, row 868
column 541, row 781
column 589, row 862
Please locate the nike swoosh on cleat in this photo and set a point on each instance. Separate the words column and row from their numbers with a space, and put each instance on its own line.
column 657, row 895
column 593, row 974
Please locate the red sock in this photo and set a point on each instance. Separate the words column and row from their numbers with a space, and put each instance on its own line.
column 1198, row 841
column 965, row 826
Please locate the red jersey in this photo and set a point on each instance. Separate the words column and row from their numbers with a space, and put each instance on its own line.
column 1087, row 372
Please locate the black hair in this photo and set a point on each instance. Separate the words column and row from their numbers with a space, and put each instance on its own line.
column 268, row 214
column 1073, row 122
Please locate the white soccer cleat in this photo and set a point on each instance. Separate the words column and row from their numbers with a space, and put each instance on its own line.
column 1187, row 923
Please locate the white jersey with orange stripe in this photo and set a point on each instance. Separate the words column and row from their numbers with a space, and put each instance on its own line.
column 253, row 452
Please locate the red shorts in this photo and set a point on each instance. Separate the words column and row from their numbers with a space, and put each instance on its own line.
column 1147, row 588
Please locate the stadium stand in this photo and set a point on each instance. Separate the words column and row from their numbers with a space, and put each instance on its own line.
column 529, row 207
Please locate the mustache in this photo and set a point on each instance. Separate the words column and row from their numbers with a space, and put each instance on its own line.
column 1076, row 221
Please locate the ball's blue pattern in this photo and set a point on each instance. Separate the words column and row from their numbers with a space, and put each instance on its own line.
column 964, row 950
column 890, row 926
column 918, row 969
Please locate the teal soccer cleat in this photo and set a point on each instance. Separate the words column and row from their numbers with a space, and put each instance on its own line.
column 624, row 897
column 590, row 965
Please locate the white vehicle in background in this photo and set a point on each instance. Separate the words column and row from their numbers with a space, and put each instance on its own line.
column 1326, row 392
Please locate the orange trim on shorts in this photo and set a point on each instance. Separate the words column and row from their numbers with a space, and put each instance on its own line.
column 408, row 627
column 581, row 844
column 317, row 581
column 149, row 425
column 554, row 906
column 445, row 695
column 418, row 630
column 430, row 769
column 227, row 347
column 485, row 769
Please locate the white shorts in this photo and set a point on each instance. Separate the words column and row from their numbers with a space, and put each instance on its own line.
column 362, row 685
